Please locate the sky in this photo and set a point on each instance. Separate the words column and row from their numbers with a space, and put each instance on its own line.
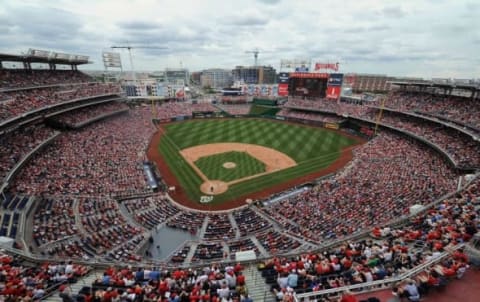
column 422, row 38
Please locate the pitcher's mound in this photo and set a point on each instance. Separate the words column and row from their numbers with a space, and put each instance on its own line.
column 214, row 187
column 229, row 165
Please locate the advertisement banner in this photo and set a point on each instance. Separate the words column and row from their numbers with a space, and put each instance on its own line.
column 301, row 69
column 261, row 90
column 335, row 79
column 308, row 75
column 251, row 89
column 332, row 66
column 275, row 90
column 296, row 63
column 264, row 90
column 161, row 91
column 333, row 92
column 332, row 126
column 283, row 89
column 283, row 77
column 180, row 93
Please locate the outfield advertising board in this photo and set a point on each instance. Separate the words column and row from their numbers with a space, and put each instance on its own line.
column 334, row 85
column 260, row 90
column 333, row 92
column 283, row 77
column 335, row 79
column 283, row 89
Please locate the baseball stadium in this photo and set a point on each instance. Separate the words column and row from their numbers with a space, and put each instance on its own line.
column 306, row 184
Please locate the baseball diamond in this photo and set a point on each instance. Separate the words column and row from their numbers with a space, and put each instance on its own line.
column 245, row 165
column 307, row 150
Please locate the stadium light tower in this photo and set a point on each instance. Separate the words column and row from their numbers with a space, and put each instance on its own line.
column 131, row 57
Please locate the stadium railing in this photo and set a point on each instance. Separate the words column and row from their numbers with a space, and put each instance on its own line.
column 44, row 86
column 35, row 114
column 102, row 263
column 375, row 285
column 433, row 120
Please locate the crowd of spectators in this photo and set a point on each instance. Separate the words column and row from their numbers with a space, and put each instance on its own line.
column 326, row 105
column 219, row 227
column 240, row 246
column 180, row 255
column 21, row 78
column 212, row 283
column 234, row 100
column 84, row 228
column 53, row 220
column 107, row 228
column 209, row 251
column 20, row 282
column 464, row 150
column 169, row 110
column 393, row 252
column 320, row 104
column 242, row 109
column 387, row 175
column 310, row 116
column 23, row 101
column 188, row 221
column 150, row 211
column 275, row 242
column 103, row 159
column 80, row 116
column 462, row 110
column 15, row 145
column 249, row 222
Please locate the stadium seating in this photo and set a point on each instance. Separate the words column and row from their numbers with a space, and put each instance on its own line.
column 79, row 177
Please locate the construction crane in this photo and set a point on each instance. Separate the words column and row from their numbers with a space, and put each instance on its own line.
column 131, row 57
column 134, row 77
column 255, row 54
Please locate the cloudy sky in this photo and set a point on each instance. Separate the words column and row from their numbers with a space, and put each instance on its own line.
column 430, row 38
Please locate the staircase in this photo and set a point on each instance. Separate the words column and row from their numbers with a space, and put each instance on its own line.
column 76, row 287
column 258, row 290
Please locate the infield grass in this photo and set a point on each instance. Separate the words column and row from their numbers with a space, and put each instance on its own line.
column 246, row 165
column 312, row 148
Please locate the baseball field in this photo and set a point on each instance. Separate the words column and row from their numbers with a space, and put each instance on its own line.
column 216, row 161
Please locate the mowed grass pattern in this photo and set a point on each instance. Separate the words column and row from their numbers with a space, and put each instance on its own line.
column 312, row 149
column 246, row 165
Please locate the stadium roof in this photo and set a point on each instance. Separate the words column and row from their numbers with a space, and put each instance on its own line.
column 466, row 86
column 41, row 56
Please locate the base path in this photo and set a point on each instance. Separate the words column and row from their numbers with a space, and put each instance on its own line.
column 274, row 160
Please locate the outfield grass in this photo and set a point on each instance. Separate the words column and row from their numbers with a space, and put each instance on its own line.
column 246, row 165
column 312, row 149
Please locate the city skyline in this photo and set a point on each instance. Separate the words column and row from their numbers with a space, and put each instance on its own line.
column 413, row 38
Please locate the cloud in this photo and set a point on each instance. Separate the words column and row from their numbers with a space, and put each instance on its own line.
column 369, row 35
column 247, row 19
column 137, row 25
column 393, row 12
column 271, row 2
